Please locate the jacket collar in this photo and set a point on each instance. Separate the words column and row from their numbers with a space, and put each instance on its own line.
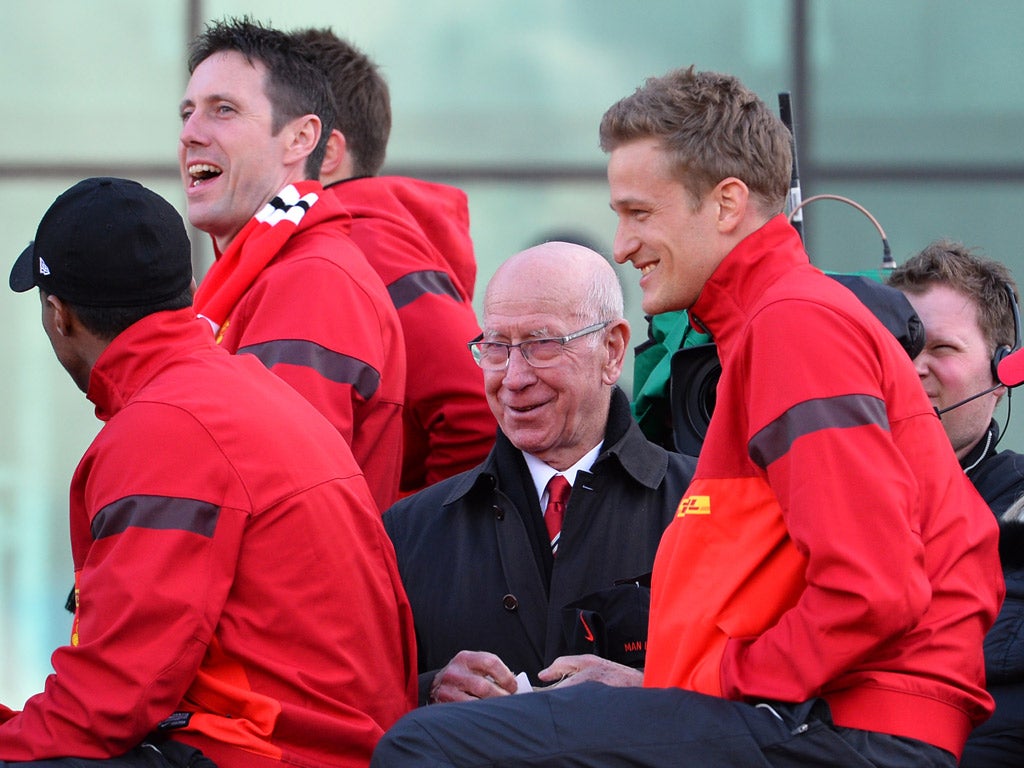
column 985, row 448
column 428, row 219
column 641, row 459
column 141, row 351
column 745, row 274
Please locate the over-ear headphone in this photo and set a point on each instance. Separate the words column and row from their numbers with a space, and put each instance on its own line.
column 1002, row 350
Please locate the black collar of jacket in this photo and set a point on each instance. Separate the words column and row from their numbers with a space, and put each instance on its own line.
column 985, row 448
column 623, row 442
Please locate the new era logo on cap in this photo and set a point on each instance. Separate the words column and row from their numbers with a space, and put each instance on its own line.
column 107, row 242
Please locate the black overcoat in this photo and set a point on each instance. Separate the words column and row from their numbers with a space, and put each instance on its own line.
column 474, row 558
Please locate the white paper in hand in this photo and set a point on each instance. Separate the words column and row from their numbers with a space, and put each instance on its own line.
column 523, row 683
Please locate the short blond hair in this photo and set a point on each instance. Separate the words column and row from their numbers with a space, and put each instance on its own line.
column 713, row 127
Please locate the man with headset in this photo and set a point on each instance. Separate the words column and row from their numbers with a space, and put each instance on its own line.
column 969, row 309
column 968, row 306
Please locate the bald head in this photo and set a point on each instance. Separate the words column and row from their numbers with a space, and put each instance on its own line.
column 571, row 276
column 555, row 409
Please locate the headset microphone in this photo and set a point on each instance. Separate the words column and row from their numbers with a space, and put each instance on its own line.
column 975, row 396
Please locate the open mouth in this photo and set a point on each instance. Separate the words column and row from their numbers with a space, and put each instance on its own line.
column 201, row 172
column 647, row 269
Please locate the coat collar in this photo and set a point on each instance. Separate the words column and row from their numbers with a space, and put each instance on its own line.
column 983, row 449
column 745, row 274
column 141, row 351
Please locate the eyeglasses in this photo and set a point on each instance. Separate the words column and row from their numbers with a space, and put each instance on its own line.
column 540, row 353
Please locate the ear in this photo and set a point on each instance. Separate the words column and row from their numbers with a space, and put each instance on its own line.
column 301, row 135
column 732, row 197
column 63, row 318
column 335, row 155
column 616, row 343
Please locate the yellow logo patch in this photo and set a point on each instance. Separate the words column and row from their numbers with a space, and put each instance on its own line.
column 694, row 505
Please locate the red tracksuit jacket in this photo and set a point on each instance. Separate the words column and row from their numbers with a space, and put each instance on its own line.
column 320, row 318
column 415, row 234
column 233, row 578
column 829, row 544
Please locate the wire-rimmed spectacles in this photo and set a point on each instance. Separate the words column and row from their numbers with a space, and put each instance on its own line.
column 540, row 353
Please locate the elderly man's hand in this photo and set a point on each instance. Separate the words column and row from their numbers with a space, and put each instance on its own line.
column 472, row 675
column 572, row 670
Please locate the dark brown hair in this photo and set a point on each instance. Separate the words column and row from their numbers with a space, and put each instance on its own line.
column 295, row 85
column 360, row 94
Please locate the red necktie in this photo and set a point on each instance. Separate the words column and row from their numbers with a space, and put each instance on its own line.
column 558, row 496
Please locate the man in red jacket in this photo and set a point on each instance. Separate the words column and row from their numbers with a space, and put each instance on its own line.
column 823, row 592
column 235, row 590
column 415, row 234
column 289, row 284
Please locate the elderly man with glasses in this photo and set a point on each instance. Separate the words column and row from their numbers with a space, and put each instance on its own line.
column 538, row 560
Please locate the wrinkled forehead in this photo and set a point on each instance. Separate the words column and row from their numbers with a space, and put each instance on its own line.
column 523, row 318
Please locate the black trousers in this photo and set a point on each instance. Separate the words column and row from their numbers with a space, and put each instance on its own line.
column 999, row 741
column 603, row 727
column 169, row 754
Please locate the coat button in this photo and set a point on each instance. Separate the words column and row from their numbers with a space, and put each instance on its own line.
column 510, row 603
column 499, row 513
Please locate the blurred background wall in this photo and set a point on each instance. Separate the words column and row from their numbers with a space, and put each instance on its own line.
column 914, row 109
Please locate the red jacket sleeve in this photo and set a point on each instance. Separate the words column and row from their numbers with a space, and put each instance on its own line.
column 854, row 516
column 150, row 592
column 339, row 345
column 450, row 427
